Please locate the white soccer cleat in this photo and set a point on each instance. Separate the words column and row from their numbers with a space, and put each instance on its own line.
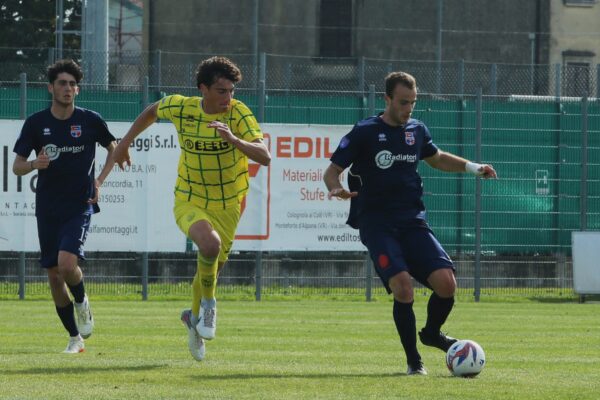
column 195, row 342
column 75, row 345
column 84, row 318
column 207, row 324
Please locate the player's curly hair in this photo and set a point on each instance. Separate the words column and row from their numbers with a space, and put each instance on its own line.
column 399, row 78
column 68, row 66
column 210, row 70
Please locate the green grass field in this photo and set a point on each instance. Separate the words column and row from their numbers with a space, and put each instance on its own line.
column 297, row 350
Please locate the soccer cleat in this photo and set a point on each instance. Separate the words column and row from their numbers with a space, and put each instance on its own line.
column 416, row 368
column 75, row 345
column 207, row 324
column 441, row 341
column 84, row 318
column 195, row 342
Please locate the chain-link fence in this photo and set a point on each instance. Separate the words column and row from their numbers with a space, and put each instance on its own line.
column 126, row 71
column 544, row 147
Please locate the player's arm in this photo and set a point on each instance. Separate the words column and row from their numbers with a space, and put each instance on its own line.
column 332, row 179
column 255, row 150
column 449, row 162
column 22, row 166
column 120, row 155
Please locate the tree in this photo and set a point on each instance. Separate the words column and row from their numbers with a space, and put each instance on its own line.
column 27, row 32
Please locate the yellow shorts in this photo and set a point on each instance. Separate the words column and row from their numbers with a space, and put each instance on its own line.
column 225, row 222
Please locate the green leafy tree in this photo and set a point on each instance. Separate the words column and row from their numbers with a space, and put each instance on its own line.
column 27, row 35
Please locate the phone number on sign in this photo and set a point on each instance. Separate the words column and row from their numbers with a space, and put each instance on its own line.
column 112, row 198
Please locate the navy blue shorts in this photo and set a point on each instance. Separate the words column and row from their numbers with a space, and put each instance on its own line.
column 56, row 234
column 411, row 247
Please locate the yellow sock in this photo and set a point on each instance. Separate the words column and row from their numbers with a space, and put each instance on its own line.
column 207, row 271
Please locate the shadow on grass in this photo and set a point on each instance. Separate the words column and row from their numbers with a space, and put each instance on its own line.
column 83, row 369
column 284, row 375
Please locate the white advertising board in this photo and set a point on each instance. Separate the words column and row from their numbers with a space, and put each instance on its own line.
column 586, row 262
column 287, row 207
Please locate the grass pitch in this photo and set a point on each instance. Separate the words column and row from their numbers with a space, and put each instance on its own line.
column 315, row 349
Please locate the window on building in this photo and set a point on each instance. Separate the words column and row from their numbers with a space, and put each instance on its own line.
column 577, row 73
column 335, row 28
column 577, row 79
column 583, row 3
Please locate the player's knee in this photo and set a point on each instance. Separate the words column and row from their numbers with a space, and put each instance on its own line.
column 446, row 292
column 401, row 287
column 210, row 249
column 54, row 278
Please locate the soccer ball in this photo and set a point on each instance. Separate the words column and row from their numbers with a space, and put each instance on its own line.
column 465, row 358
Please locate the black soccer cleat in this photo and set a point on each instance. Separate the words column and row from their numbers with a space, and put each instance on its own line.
column 416, row 368
column 441, row 341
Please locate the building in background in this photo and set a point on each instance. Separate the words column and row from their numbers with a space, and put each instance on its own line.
column 575, row 45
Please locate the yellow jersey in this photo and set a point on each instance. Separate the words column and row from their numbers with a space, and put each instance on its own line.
column 212, row 173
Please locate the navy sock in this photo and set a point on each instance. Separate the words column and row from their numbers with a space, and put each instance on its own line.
column 438, row 309
column 68, row 318
column 78, row 291
column 404, row 317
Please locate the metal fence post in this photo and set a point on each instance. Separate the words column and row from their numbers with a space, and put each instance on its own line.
column 258, row 273
column 145, row 276
column 371, row 99
column 23, row 95
column 584, row 163
column 369, row 278
column 557, row 80
column 22, row 275
column 157, row 69
column 461, row 77
column 145, row 92
column 262, row 94
column 477, row 278
column 494, row 80
column 361, row 75
column 597, row 81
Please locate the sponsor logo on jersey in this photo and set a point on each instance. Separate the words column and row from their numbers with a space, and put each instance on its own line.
column 382, row 137
column 53, row 151
column 76, row 131
column 47, row 131
column 205, row 146
column 409, row 137
column 384, row 159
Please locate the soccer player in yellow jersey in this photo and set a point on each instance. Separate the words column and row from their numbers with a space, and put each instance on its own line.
column 217, row 134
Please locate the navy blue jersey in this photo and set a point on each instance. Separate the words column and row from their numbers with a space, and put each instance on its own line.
column 62, row 190
column 383, row 170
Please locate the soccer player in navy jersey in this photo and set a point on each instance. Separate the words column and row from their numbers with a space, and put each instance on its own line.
column 385, row 192
column 64, row 139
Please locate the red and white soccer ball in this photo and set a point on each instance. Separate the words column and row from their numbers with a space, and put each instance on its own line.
column 465, row 358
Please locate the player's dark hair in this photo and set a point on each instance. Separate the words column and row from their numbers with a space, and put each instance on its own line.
column 214, row 68
column 399, row 78
column 68, row 66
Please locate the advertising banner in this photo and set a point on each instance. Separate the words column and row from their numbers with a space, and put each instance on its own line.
column 287, row 208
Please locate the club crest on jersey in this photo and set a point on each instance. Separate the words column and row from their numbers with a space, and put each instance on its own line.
column 409, row 137
column 76, row 131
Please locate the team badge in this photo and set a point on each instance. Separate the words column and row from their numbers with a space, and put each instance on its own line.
column 409, row 137
column 76, row 131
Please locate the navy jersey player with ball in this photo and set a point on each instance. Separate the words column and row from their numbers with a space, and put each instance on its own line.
column 64, row 139
column 386, row 206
